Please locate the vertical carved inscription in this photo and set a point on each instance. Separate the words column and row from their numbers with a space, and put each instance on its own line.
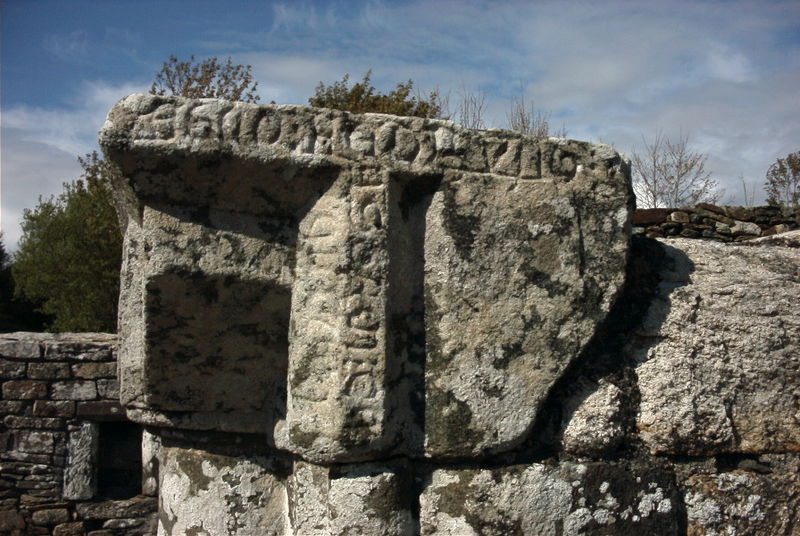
column 338, row 331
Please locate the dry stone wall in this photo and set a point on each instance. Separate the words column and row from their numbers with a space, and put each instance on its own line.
column 68, row 458
column 724, row 224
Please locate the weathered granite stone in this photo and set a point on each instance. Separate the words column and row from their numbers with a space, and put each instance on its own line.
column 594, row 425
column 24, row 390
column 50, row 516
column 567, row 499
column 73, row 390
column 151, row 451
column 206, row 493
column 10, row 370
column 135, row 507
column 356, row 499
column 745, row 501
column 719, row 367
column 48, row 371
column 34, row 441
column 789, row 239
column 80, row 480
column 69, row 529
column 54, row 408
column 408, row 279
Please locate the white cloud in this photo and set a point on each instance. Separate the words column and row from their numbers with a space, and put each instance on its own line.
column 40, row 146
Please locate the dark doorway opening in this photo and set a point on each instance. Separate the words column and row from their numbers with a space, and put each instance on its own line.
column 119, row 460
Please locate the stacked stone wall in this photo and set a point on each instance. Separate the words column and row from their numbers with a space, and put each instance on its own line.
column 59, row 392
column 724, row 224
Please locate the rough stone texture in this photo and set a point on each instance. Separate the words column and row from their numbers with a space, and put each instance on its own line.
column 567, row 499
column 356, row 499
column 206, row 493
column 789, row 239
column 594, row 426
column 719, row 366
column 746, row 501
column 80, row 475
column 133, row 507
column 151, row 451
column 385, row 240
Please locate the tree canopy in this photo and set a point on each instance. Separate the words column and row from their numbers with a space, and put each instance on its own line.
column 362, row 97
column 783, row 181
column 70, row 253
column 206, row 79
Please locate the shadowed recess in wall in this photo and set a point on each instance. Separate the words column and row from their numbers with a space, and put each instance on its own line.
column 217, row 344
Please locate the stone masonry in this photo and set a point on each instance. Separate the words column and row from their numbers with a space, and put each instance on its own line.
column 60, row 400
column 337, row 324
column 365, row 324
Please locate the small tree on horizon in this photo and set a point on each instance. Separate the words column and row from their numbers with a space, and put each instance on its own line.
column 362, row 97
column 783, row 181
column 206, row 79
column 669, row 174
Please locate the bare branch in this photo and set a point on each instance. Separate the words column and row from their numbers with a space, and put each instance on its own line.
column 669, row 174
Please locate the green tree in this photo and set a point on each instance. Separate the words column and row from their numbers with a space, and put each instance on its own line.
column 206, row 79
column 783, row 181
column 362, row 97
column 70, row 253
column 15, row 314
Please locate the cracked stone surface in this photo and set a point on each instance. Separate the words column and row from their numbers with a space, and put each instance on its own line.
column 356, row 286
column 718, row 361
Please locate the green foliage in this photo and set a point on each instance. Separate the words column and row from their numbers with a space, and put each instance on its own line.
column 362, row 97
column 207, row 79
column 15, row 314
column 70, row 253
column 783, row 181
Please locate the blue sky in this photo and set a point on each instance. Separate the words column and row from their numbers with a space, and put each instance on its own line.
column 725, row 73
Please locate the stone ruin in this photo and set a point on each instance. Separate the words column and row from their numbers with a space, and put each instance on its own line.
column 337, row 324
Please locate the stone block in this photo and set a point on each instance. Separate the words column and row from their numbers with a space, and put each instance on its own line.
column 108, row 388
column 717, row 358
column 34, row 441
column 356, row 499
column 45, row 423
column 69, row 529
column 218, row 494
column 14, row 346
column 74, row 390
column 11, row 520
column 48, row 371
column 50, row 516
column 151, row 451
column 10, row 370
column 592, row 498
column 745, row 228
column 8, row 407
column 743, row 501
column 24, row 390
column 679, row 217
column 80, row 347
column 91, row 371
column 54, row 408
column 136, row 507
column 100, row 410
column 80, row 478
column 594, row 425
